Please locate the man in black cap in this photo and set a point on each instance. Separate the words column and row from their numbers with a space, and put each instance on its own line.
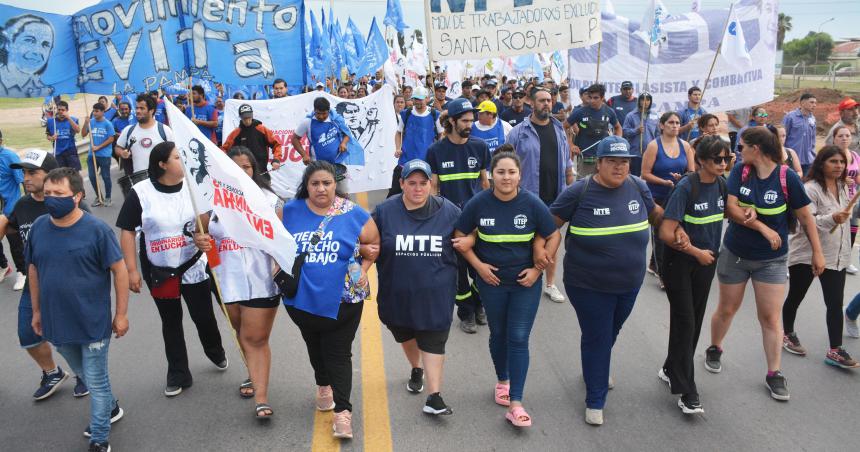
column 623, row 103
column 440, row 98
column 491, row 88
column 252, row 134
column 518, row 111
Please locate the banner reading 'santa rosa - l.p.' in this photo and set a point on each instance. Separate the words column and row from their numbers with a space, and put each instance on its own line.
column 464, row 29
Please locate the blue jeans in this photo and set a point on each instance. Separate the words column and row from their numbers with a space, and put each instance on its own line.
column 104, row 170
column 600, row 316
column 90, row 363
column 26, row 336
column 853, row 309
column 511, row 312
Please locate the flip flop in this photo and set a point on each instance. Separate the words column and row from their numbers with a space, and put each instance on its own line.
column 503, row 397
column 260, row 410
column 516, row 416
column 247, row 384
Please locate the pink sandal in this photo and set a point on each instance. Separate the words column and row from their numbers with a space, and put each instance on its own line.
column 516, row 416
column 503, row 397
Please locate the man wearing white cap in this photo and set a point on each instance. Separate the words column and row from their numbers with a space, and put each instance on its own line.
column 418, row 129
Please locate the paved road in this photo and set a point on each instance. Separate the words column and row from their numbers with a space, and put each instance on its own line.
column 640, row 415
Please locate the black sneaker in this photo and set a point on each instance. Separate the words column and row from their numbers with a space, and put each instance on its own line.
column 99, row 447
column 81, row 389
column 115, row 414
column 712, row 359
column 436, row 406
column 223, row 365
column 416, row 381
column 778, row 386
column 481, row 316
column 50, row 383
column 468, row 325
column 690, row 404
column 172, row 390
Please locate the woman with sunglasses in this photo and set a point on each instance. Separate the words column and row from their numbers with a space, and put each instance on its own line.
column 759, row 117
column 696, row 205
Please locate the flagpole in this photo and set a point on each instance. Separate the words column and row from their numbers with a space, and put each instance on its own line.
column 92, row 153
column 597, row 74
column 429, row 41
column 647, row 74
column 714, row 61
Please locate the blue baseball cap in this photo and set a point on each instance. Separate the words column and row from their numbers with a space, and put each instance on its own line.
column 459, row 106
column 416, row 165
column 614, row 146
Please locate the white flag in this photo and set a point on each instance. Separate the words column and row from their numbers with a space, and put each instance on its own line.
column 734, row 48
column 695, row 6
column 651, row 26
column 608, row 8
column 225, row 189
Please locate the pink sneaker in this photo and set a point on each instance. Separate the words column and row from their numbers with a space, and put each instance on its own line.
column 342, row 425
column 325, row 398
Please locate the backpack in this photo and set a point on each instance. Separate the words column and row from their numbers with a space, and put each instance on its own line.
column 783, row 170
column 433, row 112
column 161, row 131
column 695, row 188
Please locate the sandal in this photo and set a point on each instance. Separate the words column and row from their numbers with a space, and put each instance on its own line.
column 244, row 389
column 519, row 417
column 503, row 397
column 261, row 411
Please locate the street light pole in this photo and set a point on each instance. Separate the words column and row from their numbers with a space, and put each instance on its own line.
column 818, row 38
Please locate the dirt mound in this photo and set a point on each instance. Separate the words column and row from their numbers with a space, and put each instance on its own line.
column 823, row 95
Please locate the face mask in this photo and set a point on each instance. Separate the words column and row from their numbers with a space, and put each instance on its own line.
column 59, row 206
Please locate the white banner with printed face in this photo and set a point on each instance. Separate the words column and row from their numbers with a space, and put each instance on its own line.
column 224, row 188
column 683, row 60
column 466, row 29
column 371, row 120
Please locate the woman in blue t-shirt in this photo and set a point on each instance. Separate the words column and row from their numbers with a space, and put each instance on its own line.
column 516, row 239
column 604, row 264
column 665, row 160
column 764, row 195
column 327, row 307
column 696, row 206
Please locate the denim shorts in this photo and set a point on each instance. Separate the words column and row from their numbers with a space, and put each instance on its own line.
column 26, row 336
column 732, row 269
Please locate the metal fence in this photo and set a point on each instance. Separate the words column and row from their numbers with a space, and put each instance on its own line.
column 842, row 76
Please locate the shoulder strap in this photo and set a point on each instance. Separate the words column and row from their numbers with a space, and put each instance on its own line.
column 641, row 191
column 130, row 131
column 579, row 197
column 161, row 131
column 745, row 173
column 724, row 191
column 406, row 117
column 695, row 187
column 783, row 169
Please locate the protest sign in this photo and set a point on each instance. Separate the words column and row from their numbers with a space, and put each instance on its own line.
column 371, row 120
column 683, row 59
column 225, row 189
column 466, row 29
column 141, row 45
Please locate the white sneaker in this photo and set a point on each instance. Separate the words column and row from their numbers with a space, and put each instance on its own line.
column 554, row 294
column 593, row 417
column 852, row 270
column 5, row 271
column 19, row 282
column 851, row 328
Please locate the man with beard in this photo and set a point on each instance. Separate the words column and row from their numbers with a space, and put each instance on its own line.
column 137, row 140
column 459, row 162
column 122, row 120
column 547, row 170
column 279, row 88
column 203, row 114
column 252, row 134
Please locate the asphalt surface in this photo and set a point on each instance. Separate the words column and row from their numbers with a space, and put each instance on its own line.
column 640, row 413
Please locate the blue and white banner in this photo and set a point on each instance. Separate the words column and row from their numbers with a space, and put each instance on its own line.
column 684, row 57
column 37, row 51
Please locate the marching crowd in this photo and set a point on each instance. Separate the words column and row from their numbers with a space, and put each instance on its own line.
column 484, row 186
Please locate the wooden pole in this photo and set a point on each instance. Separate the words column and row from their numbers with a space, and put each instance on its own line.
column 714, row 61
column 597, row 73
column 647, row 74
column 97, row 174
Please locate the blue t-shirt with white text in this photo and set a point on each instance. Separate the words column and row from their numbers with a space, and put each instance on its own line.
column 99, row 132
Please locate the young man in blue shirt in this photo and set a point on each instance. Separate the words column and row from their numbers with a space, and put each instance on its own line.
column 61, row 130
column 691, row 114
column 800, row 130
column 72, row 309
column 103, row 136
column 203, row 114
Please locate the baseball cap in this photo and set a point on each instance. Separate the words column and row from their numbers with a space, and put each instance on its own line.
column 245, row 111
column 416, row 165
column 419, row 92
column 319, row 85
column 36, row 159
column 626, row 84
column 459, row 106
column 440, row 85
column 492, row 82
column 847, row 104
column 614, row 146
column 487, row 107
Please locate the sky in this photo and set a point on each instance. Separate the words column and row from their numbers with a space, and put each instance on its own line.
column 806, row 15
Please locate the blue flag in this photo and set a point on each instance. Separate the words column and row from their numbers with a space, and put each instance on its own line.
column 394, row 15
column 349, row 52
column 320, row 54
column 376, row 52
column 357, row 36
column 337, row 49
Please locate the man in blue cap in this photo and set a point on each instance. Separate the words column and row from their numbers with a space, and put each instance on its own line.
column 459, row 162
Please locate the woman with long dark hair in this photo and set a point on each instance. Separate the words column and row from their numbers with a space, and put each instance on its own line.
column 764, row 199
column 826, row 187
column 333, row 283
column 160, row 207
column 247, row 289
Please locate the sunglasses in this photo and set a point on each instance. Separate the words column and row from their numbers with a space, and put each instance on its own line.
column 717, row 160
column 761, row 115
column 519, row 96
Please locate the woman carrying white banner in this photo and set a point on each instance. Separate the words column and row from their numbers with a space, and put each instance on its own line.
column 247, row 289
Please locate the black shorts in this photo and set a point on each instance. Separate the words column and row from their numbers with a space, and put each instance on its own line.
column 271, row 302
column 428, row 341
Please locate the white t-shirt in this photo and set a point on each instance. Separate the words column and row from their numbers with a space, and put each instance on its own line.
column 141, row 143
column 505, row 127
column 439, row 128
column 305, row 126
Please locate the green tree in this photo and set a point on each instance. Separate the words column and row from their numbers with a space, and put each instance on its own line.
column 812, row 49
column 783, row 26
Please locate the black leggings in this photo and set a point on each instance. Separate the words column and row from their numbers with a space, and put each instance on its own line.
column 329, row 343
column 833, row 286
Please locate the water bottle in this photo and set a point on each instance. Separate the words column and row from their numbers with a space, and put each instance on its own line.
column 354, row 270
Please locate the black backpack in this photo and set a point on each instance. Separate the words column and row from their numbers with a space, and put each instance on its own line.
column 695, row 188
column 161, row 131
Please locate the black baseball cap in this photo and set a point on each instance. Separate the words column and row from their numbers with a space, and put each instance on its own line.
column 416, row 165
column 626, row 84
column 245, row 111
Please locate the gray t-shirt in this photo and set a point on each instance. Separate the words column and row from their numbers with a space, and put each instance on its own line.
column 743, row 117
